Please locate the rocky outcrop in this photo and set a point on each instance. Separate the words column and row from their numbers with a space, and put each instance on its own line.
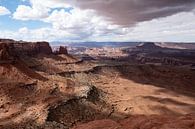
column 61, row 50
column 32, row 48
column 43, row 47
column 100, row 124
column 144, row 59
column 151, row 53
column 25, row 48
column 4, row 54
column 148, row 45
column 144, row 122
column 88, row 106
column 7, row 41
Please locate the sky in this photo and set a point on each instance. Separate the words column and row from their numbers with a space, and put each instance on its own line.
column 98, row 20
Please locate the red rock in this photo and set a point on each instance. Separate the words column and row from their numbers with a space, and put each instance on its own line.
column 6, row 41
column 62, row 50
column 100, row 124
column 4, row 54
column 143, row 122
column 43, row 47
column 26, row 48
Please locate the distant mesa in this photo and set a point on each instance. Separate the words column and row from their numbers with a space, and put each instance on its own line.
column 11, row 48
column 148, row 45
column 7, row 41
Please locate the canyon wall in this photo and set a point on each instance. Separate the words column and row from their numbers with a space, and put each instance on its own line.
column 13, row 48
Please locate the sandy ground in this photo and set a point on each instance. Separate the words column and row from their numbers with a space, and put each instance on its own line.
column 168, row 95
column 130, row 97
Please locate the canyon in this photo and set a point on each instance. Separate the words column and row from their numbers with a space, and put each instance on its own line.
column 144, row 87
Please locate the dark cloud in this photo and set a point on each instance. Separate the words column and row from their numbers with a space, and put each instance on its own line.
column 129, row 12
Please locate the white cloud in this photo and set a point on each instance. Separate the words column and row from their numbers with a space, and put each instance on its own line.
column 38, row 10
column 46, row 34
column 83, row 23
column 50, row 3
column 4, row 11
column 77, row 24
column 178, row 27
column 24, row 12
column 64, row 20
column 87, row 24
column 123, row 12
column 23, row 30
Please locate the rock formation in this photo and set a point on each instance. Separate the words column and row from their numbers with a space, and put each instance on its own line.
column 6, row 41
column 4, row 55
column 152, row 53
column 26, row 48
column 60, row 91
column 148, row 45
column 143, row 122
column 61, row 50
column 164, row 61
column 43, row 47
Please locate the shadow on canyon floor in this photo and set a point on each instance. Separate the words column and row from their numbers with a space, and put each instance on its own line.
column 176, row 80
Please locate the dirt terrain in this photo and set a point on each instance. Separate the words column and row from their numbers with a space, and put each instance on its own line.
column 41, row 89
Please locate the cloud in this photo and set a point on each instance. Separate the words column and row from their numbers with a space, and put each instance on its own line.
column 78, row 24
column 83, row 23
column 175, row 28
column 51, row 3
column 130, row 12
column 24, row 12
column 31, row 35
column 178, row 27
column 120, row 12
column 4, row 11
column 108, row 20
column 38, row 9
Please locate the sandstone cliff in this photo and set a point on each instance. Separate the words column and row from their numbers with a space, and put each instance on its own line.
column 23, row 48
column 4, row 54
column 61, row 50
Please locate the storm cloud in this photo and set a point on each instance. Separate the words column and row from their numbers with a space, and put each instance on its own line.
column 105, row 20
column 130, row 12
